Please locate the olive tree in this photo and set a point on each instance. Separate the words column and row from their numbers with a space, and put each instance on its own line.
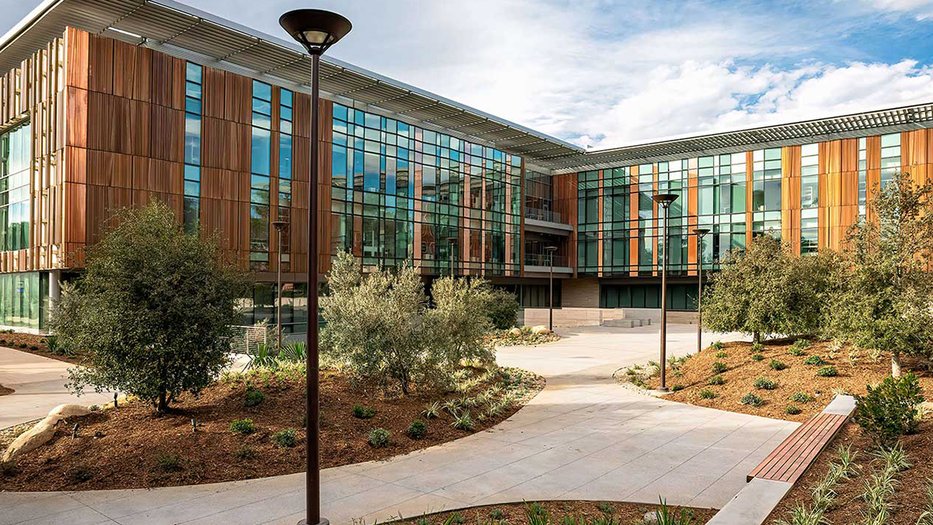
column 884, row 299
column 767, row 290
column 380, row 325
column 152, row 312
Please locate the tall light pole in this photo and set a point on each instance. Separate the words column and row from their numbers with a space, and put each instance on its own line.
column 280, row 228
column 664, row 200
column 451, row 248
column 550, row 300
column 700, row 233
column 316, row 30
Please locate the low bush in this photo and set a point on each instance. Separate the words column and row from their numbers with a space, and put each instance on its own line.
column 763, row 383
column 254, row 396
column 757, row 348
column 796, row 351
column 432, row 410
column 716, row 380
column 501, row 307
column 708, row 394
column 758, row 357
column 378, row 437
column 717, row 345
column 285, row 438
column 827, row 371
column 242, row 426
column 792, row 410
column 463, row 421
column 246, row 452
column 890, row 409
column 752, row 400
column 814, row 360
column 777, row 365
column 677, row 388
column 361, row 412
column 417, row 429
column 719, row 367
column 80, row 474
column 721, row 355
column 168, row 462
column 801, row 397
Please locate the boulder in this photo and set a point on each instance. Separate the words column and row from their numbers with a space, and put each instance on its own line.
column 32, row 439
column 650, row 518
column 540, row 329
column 515, row 331
column 63, row 411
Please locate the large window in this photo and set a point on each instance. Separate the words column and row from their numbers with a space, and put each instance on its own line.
column 721, row 200
column 192, row 205
column 862, row 175
column 890, row 157
column 15, row 162
column 615, row 220
column 809, row 198
column 286, row 112
column 24, row 299
column 588, row 222
column 766, row 192
column 261, row 167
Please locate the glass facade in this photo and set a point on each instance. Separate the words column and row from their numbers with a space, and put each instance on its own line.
column 192, row 198
column 24, row 299
column 260, row 306
column 284, row 180
column 15, row 163
column 401, row 193
column 890, row 157
column 766, row 192
column 862, row 175
column 809, row 197
column 260, row 179
column 721, row 196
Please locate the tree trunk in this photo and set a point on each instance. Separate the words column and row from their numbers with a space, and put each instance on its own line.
column 163, row 402
column 895, row 364
column 756, row 337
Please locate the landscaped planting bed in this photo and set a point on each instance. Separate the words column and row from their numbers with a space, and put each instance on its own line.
column 556, row 513
column 911, row 487
column 33, row 344
column 777, row 379
column 252, row 425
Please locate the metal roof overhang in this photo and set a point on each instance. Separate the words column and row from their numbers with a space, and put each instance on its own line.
column 186, row 32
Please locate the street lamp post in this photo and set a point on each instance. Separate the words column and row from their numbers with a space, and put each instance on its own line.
column 451, row 248
column 280, row 228
column 550, row 300
column 316, row 30
column 700, row 233
column 664, row 200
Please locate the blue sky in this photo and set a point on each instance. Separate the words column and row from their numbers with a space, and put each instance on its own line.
column 607, row 73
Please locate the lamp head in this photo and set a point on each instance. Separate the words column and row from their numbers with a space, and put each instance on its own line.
column 315, row 29
column 550, row 249
column 664, row 199
column 280, row 225
column 700, row 232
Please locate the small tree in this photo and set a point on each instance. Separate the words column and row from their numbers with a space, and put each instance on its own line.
column 884, row 300
column 153, row 310
column 766, row 290
column 501, row 307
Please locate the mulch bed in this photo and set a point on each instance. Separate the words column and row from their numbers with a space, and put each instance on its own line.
column 516, row 513
column 908, row 500
column 132, row 447
column 4, row 391
column 798, row 377
column 33, row 344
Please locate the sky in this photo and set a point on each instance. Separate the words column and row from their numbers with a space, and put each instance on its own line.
column 602, row 74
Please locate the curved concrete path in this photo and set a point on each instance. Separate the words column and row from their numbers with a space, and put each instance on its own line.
column 583, row 437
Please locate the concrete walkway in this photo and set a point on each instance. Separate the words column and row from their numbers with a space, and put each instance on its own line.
column 583, row 437
column 39, row 385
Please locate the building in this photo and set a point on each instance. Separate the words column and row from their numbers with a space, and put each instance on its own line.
column 111, row 104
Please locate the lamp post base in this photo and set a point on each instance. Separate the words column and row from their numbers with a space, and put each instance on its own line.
column 663, row 389
column 322, row 522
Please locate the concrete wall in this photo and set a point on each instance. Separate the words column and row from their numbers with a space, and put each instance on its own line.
column 571, row 316
column 580, row 293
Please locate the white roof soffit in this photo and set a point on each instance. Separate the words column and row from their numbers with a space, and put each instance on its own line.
column 190, row 33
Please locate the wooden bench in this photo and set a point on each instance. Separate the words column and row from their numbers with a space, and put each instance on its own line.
column 795, row 454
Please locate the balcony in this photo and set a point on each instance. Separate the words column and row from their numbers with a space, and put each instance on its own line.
column 541, row 263
column 546, row 221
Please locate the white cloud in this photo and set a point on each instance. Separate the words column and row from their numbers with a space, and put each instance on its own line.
column 920, row 9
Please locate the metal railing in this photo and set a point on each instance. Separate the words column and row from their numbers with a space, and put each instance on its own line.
column 543, row 259
column 539, row 214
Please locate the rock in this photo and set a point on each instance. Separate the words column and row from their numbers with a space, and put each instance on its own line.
column 650, row 518
column 515, row 331
column 540, row 329
column 63, row 411
column 32, row 439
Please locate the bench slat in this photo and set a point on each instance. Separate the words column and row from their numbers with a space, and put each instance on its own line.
column 791, row 458
column 776, row 457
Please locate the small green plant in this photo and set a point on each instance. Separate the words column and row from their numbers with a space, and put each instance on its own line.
column 168, row 462
column 242, row 426
column 758, row 357
column 432, row 410
column 926, row 517
column 719, row 367
column 246, row 452
column 80, row 474
column 677, row 388
column 452, row 406
column 361, row 412
column 752, row 399
column 792, row 410
column 802, row 344
column 777, row 365
column 706, row 393
column 463, row 421
column 254, row 396
column 496, row 514
column 795, row 351
column 801, row 515
column 378, row 437
column 890, row 409
column 757, row 348
column 537, row 515
column 605, row 507
column 717, row 345
column 455, row 519
column 721, row 355
column 763, row 383
column 285, row 438
column 667, row 516
column 417, row 429
column 801, row 397
column 827, row 371
column 814, row 360
column 716, row 380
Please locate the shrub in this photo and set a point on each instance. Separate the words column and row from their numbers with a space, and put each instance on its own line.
column 254, row 396
column 80, row 474
column 796, row 351
column 708, row 394
column 721, row 355
column 763, row 383
column 752, row 400
column 677, row 388
column 890, row 409
column 378, row 437
column 463, row 421
column 719, row 367
column 716, row 380
column 758, row 357
column 665, row 515
column 717, row 345
column 285, row 438
column 176, row 327
column 168, row 462
column 801, row 397
column 361, row 412
column 827, row 371
column 814, row 360
column 242, row 426
column 432, row 410
column 417, row 429
column 245, row 452
column 777, row 365
column 501, row 308
column 792, row 410
column 757, row 348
